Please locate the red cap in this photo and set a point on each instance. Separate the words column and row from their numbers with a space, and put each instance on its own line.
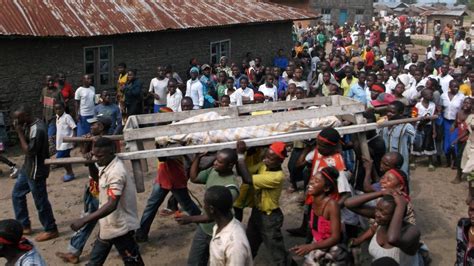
column 279, row 148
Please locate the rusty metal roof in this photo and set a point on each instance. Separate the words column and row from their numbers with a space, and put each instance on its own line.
column 86, row 18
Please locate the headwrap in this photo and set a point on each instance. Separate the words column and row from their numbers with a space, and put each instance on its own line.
column 329, row 136
column 194, row 69
column 402, row 182
column 335, row 194
column 22, row 245
column 279, row 148
column 258, row 97
column 378, row 88
column 165, row 109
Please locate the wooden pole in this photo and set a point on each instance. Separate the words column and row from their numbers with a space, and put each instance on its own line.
column 134, row 155
column 83, row 139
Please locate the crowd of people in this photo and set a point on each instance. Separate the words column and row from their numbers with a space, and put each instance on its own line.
column 349, row 198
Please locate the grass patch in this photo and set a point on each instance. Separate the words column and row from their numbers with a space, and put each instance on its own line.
column 421, row 42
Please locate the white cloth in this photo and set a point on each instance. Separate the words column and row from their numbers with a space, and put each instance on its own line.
column 86, row 96
column 407, row 66
column 248, row 92
column 444, row 82
column 376, row 251
column 159, row 87
column 230, row 246
column 303, row 84
column 426, row 111
column 451, row 107
column 269, row 92
column 460, row 46
column 65, row 126
column 194, row 90
column 390, row 85
column 174, row 101
column 114, row 179
column 235, row 98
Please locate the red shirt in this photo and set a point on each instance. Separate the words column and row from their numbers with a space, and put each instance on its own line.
column 66, row 91
column 171, row 174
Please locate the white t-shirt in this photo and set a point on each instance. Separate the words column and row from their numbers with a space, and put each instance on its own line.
column 235, row 98
column 87, row 98
column 174, row 101
column 444, row 82
column 65, row 126
column 194, row 90
column 269, row 92
column 248, row 92
column 460, row 46
column 451, row 107
column 159, row 87
column 303, row 84
column 115, row 180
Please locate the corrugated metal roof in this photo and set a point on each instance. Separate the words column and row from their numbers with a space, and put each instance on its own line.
column 453, row 13
column 107, row 17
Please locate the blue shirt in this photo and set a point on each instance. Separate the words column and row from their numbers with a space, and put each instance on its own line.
column 281, row 62
column 282, row 86
column 399, row 138
column 208, row 100
column 112, row 111
column 357, row 93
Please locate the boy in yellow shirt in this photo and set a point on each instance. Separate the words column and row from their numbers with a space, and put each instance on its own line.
column 267, row 218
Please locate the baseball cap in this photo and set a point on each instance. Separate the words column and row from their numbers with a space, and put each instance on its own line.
column 383, row 99
column 205, row 66
column 107, row 122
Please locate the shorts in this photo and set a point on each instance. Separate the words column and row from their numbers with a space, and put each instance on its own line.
column 63, row 154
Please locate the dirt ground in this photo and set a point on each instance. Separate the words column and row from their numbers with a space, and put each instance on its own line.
column 438, row 203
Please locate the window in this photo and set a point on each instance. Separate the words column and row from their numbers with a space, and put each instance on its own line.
column 359, row 15
column 98, row 64
column 218, row 49
column 326, row 12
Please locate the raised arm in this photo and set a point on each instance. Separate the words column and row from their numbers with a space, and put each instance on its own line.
column 406, row 240
column 242, row 169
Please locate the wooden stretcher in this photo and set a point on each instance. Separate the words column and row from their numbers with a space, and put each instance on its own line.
column 145, row 127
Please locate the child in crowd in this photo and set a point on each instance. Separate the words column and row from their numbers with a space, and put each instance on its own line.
column 220, row 174
column 463, row 135
column 325, row 220
column 398, row 137
column 268, row 89
column 266, row 219
column 424, row 145
column 291, row 92
column 65, row 127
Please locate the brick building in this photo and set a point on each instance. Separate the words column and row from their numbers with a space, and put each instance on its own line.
column 336, row 11
column 92, row 37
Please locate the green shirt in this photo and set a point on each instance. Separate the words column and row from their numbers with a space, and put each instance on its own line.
column 211, row 178
column 221, row 90
column 446, row 47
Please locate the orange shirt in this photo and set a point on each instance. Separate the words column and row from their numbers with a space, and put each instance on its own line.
column 320, row 162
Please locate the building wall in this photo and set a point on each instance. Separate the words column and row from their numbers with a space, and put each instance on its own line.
column 350, row 5
column 26, row 61
column 443, row 19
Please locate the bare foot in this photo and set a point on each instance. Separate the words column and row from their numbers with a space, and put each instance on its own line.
column 68, row 257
